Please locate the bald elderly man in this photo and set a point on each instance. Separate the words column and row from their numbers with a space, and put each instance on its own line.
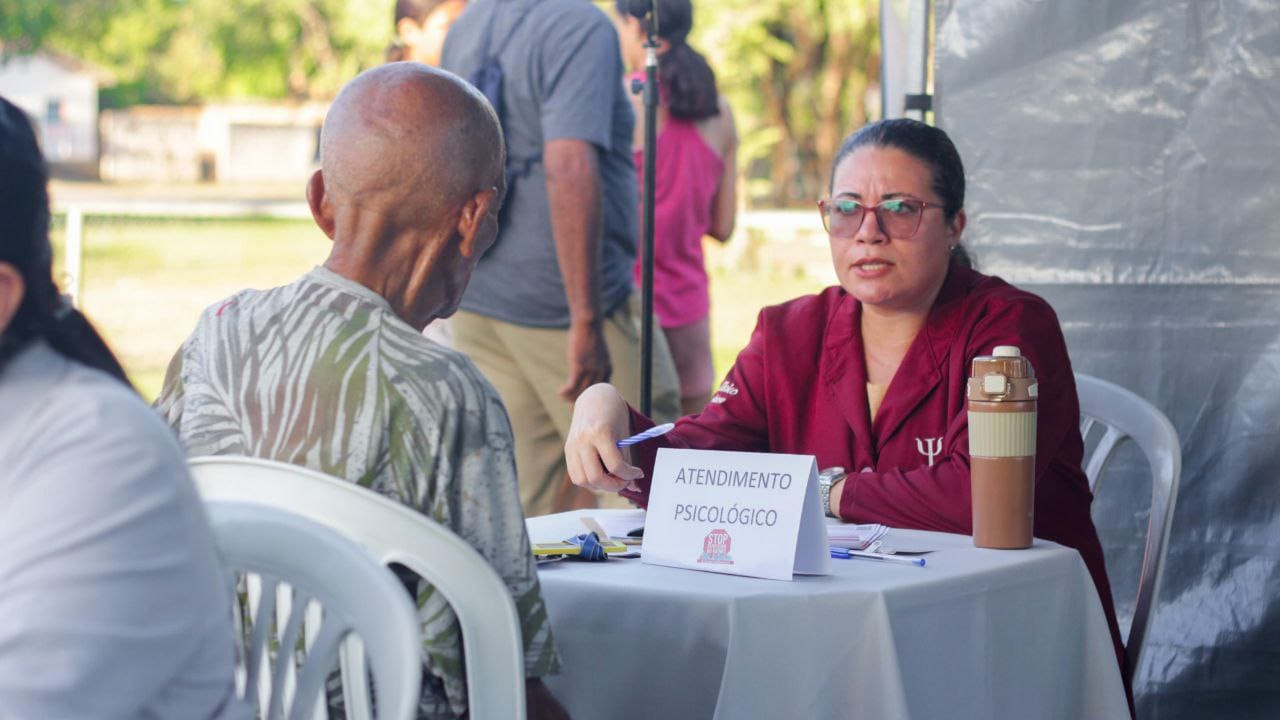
column 331, row 372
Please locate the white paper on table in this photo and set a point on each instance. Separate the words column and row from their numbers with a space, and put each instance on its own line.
column 620, row 522
column 856, row 537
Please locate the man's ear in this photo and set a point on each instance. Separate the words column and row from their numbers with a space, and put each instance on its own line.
column 12, row 290
column 318, row 201
column 471, row 222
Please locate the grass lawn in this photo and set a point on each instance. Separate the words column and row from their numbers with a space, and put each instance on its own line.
column 738, row 294
column 145, row 282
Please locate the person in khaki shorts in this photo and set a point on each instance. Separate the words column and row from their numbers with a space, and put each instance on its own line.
column 551, row 307
column 527, row 367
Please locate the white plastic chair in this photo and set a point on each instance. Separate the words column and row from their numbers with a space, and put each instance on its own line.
column 393, row 533
column 1122, row 414
column 292, row 570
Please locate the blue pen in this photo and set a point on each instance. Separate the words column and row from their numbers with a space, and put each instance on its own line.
column 847, row 554
column 649, row 434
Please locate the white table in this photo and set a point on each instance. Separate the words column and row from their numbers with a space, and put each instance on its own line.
column 975, row 634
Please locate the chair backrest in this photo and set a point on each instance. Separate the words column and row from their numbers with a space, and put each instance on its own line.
column 301, row 591
column 393, row 533
column 1119, row 414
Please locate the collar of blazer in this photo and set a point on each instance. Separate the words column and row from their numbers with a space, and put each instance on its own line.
column 845, row 374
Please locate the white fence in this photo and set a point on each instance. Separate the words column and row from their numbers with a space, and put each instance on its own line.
column 76, row 213
column 789, row 240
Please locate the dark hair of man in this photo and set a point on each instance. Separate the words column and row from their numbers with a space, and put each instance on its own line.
column 24, row 244
column 926, row 143
column 415, row 10
column 687, row 82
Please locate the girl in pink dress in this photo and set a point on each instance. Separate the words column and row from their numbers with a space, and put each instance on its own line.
column 695, row 182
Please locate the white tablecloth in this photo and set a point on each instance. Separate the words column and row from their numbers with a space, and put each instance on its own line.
column 975, row 634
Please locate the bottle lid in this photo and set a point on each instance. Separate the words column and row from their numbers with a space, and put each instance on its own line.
column 1006, row 360
column 1004, row 375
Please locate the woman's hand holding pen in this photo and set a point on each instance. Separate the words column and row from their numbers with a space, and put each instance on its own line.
column 600, row 419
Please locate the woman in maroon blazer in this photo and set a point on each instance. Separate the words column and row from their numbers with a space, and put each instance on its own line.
column 871, row 375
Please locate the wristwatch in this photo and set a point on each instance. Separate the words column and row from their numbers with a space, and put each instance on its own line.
column 826, row 479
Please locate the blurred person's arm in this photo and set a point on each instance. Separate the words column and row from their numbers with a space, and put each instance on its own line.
column 581, row 67
column 573, row 197
column 724, row 206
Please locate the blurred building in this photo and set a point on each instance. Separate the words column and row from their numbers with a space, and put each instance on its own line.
column 220, row 142
column 60, row 94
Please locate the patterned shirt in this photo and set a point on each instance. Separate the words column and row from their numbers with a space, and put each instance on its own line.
column 321, row 373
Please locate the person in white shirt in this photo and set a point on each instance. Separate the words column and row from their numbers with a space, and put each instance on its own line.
column 112, row 598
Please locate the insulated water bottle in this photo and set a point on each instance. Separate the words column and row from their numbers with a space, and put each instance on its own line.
column 1002, row 448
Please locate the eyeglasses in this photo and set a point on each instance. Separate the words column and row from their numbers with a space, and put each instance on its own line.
column 898, row 218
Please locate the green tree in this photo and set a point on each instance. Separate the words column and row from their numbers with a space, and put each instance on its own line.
column 177, row 51
column 25, row 24
column 798, row 73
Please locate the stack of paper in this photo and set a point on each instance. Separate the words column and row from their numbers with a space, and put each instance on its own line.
column 857, row 537
column 620, row 522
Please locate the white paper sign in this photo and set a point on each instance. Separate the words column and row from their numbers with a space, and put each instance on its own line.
column 754, row 514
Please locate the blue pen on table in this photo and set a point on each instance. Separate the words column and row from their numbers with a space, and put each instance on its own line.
column 649, row 434
column 848, row 554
